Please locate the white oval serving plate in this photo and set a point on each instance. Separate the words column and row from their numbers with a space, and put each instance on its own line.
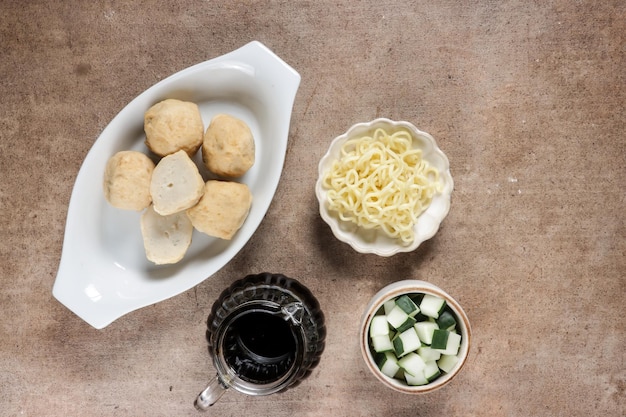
column 103, row 273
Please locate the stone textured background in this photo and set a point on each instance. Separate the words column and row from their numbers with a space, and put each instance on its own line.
column 525, row 97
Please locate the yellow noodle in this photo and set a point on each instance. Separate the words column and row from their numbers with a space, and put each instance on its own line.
column 381, row 182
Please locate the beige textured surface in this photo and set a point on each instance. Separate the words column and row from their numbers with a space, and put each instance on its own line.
column 525, row 97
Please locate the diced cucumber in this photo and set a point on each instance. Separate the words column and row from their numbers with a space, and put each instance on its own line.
column 431, row 370
column 425, row 331
column 382, row 343
column 379, row 326
column 389, row 305
column 446, row 321
column 440, row 339
column 432, row 305
column 387, row 363
column 397, row 317
column 453, row 343
column 419, row 379
column 447, row 362
column 428, row 354
column 406, row 342
column 407, row 305
column 410, row 322
column 416, row 339
column 412, row 363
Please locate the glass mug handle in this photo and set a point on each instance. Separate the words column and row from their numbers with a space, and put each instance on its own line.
column 211, row 394
column 292, row 312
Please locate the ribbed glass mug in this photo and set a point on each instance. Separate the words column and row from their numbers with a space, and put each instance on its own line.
column 266, row 333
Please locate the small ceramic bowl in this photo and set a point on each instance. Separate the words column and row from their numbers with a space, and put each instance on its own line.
column 410, row 287
column 372, row 240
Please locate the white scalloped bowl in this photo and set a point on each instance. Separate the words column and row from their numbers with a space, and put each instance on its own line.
column 395, row 290
column 375, row 241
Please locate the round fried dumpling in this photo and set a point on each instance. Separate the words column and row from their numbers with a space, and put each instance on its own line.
column 126, row 181
column 222, row 209
column 228, row 147
column 173, row 125
column 165, row 238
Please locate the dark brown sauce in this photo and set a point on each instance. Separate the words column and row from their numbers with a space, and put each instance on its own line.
column 260, row 347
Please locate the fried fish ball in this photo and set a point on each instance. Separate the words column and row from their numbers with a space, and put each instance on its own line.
column 222, row 209
column 172, row 125
column 176, row 184
column 165, row 238
column 127, row 177
column 228, row 148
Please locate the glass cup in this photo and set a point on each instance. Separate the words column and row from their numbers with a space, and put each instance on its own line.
column 265, row 333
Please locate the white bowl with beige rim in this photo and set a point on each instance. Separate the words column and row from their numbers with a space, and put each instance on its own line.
column 375, row 306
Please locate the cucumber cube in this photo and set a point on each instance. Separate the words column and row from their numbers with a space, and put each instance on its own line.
column 389, row 305
column 428, row 353
column 397, row 317
column 388, row 364
column 432, row 305
column 446, row 320
column 425, row 331
column 447, row 362
column 382, row 343
column 412, row 364
column 431, row 370
column 406, row 342
column 419, row 379
column 407, row 305
column 410, row 322
column 453, row 343
column 379, row 326
column 440, row 339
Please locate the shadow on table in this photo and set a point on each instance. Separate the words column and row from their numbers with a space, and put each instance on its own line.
column 345, row 259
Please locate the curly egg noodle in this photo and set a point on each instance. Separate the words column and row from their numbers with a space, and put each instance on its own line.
column 382, row 182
